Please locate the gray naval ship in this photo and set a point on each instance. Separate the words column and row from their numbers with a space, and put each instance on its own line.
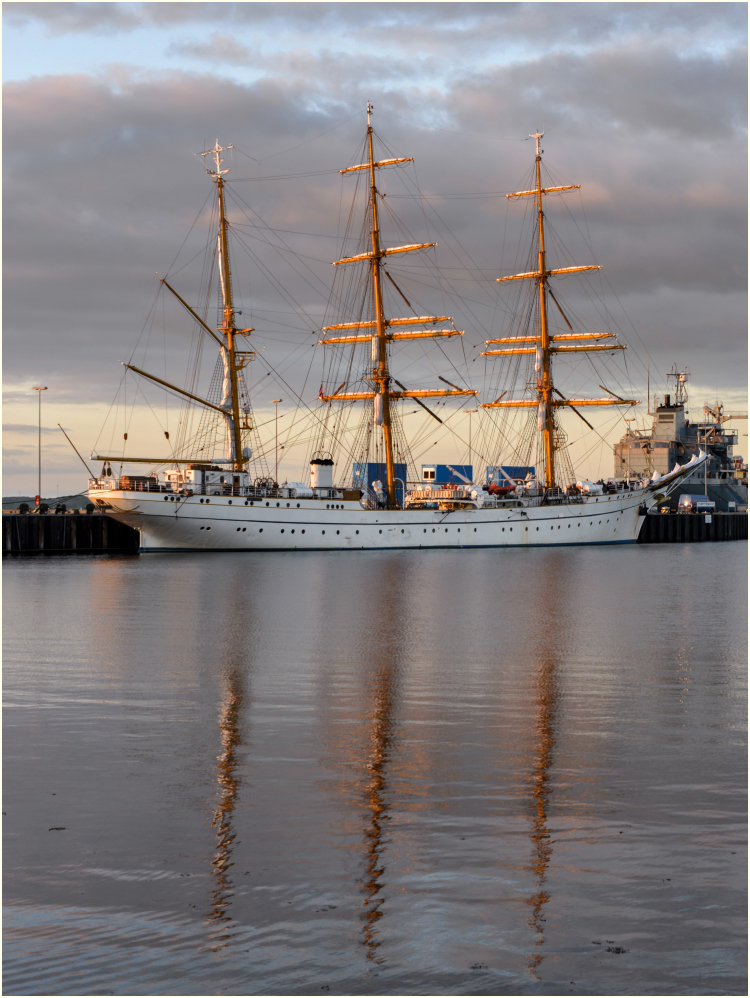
column 674, row 439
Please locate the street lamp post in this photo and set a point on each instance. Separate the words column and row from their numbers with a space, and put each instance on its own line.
column 276, row 473
column 40, row 389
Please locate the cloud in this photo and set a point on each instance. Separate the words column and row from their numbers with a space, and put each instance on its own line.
column 25, row 429
column 221, row 48
column 644, row 105
column 423, row 24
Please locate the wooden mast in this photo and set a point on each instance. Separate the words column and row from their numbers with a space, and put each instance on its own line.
column 381, row 373
column 544, row 377
column 545, row 345
column 228, row 327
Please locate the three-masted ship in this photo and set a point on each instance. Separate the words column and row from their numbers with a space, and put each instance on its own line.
column 226, row 504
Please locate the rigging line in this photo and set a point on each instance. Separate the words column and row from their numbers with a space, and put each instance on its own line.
column 257, row 214
column 588, row 242
column 307, row 141
column 283, row 176
column 274, row 280
column 456, row 294
column 282, row 249
column 275, row 374
column 200, row 212
column 293, row 232
column 451, row 131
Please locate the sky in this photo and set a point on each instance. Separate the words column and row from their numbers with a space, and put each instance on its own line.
column 106, row 104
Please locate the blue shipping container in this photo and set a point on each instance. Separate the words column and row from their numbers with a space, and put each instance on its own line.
column 441, row 474
column 365, row 474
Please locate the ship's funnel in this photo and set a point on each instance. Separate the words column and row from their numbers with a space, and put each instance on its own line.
column 321, row 473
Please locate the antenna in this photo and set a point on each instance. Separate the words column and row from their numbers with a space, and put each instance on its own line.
column 537, row 136
column 218, row 172
column 370, row 109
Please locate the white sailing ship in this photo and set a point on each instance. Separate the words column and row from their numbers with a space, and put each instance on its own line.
column 225, row 504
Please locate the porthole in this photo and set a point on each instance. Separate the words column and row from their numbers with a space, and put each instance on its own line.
column 208, row 500
column 238, row 529
column 511, row 529
column 287, row 505
column 201, row 500
column 459, row 530
column 433, row 530
column 338, row 531
column 208, row 528
column 327, row 506
column 203, row 528
column 282, row 530
column 166, row 498
column 244, row 529
column 268, row 504
column 303, row 531
column 600, row 521
column 537, row 529
column 230, row 502
column 323, row 531
column 402, row 530
column 356, row 531
column 292, row 531
column 568, row 526
column 297, row 505
column 261, row 530
column 475, row 529
column 527, row 530
column 425, row 530
column 278, row 503
column 380, row 531
column 246, row 502
column 446, row 530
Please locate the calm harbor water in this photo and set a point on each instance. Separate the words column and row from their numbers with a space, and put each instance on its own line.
column 484, row 772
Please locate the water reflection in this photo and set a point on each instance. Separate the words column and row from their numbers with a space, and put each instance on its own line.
column 541, row 786
column 228, row 784
column 375, row 798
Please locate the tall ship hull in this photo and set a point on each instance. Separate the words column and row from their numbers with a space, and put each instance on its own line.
column 281, row 521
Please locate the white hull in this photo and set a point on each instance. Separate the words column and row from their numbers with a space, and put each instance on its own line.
column 180, row 523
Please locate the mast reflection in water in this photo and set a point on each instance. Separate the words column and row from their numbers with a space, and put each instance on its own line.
column 375, row 797
column 546, row 704
column 228, row 783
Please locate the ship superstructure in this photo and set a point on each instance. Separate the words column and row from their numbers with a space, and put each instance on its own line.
column 675, row 438
column 219, row 504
